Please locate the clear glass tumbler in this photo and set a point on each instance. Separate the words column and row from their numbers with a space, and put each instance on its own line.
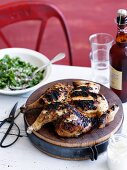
column 117, row 152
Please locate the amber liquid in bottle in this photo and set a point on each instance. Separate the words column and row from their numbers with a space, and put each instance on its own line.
column 118, row 61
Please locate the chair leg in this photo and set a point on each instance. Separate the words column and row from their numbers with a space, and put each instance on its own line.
column 5, row 40
column 68, row 39
column 40, row 35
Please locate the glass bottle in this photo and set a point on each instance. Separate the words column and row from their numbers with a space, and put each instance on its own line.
column 118, row 58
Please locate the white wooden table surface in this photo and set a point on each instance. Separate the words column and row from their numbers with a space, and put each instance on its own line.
column 23, row 155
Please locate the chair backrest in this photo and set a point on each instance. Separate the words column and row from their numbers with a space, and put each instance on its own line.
column 21, row 11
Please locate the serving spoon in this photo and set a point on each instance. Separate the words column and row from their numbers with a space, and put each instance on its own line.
column 58, row 57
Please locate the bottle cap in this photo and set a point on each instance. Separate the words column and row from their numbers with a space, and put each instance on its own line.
column 122, row 17
column 122, row 12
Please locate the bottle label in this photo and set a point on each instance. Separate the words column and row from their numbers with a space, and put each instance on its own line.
column 115, row 78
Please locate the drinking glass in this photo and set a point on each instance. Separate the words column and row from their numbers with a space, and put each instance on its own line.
column 117, row 152
column 99, row 56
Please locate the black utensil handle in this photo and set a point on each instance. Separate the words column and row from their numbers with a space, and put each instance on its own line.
column 2, row 122
column 7, row 133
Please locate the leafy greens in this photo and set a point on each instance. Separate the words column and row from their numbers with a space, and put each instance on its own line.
column 17, row 73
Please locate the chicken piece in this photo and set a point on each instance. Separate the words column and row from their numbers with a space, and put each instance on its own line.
column 90, row 104
column 108, row 116
column 50, row 113
column 57, row 93
column 72, row 124
column 86, row 86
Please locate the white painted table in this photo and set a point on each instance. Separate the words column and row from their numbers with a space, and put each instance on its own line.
column 23, row 155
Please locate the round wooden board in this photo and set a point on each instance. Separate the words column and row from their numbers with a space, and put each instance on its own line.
column 91, row 138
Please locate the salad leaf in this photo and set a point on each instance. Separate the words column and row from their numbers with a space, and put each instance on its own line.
column 15, row 72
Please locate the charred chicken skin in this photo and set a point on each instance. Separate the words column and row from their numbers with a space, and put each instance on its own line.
column 57, row 93
column 74, row 109
column 73, row 123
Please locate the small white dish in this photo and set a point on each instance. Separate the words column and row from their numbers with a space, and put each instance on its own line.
column 33, row 57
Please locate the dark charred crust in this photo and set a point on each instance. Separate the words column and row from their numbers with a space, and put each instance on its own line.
column 69, row 126
column 107, row 111
column 102, row 119
column 87, row 84
column 102, row 97
column 82, row 120
column 79, row 93
column 113, row 107
column 84, row 88
column 41, row 101
column 94, row 95
column 85, row 104
column 84, row 94
column 52, row 95
column 54, row 106
column 94, row 121
column 75, row 84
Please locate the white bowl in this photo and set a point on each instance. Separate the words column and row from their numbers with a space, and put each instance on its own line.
column 31, row 56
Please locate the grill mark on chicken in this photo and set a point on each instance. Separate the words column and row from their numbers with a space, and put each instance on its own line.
column 83, row 88
column 107, row 116
column 86, row 86
column 84, row 94
column 82, row 120
column 79, row 93
column 73, row 123
column 54, row 106
column 94, row 95
column 93, row 105
column 53, row 95
column 85, row 104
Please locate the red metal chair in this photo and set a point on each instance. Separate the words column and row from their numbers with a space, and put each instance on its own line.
column 21, row 11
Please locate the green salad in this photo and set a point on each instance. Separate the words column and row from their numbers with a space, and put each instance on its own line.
column 17, row 73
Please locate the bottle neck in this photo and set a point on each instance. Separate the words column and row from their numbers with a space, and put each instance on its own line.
column 121, row 37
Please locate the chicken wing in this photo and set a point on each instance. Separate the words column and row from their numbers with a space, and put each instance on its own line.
column 50, row 113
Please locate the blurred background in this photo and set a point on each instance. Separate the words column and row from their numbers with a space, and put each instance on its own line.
column 83, row 18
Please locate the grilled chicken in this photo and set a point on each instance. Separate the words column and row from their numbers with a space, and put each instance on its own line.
column 57, row 93
column 74, row 108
